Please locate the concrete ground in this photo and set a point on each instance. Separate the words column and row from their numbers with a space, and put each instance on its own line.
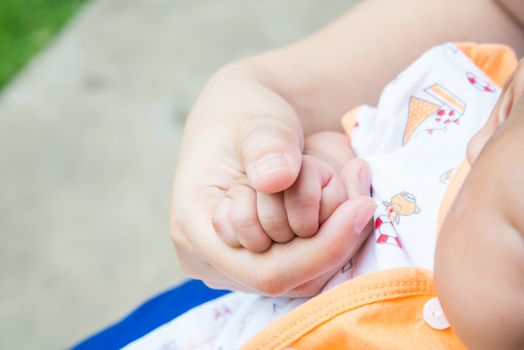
column 88, row 139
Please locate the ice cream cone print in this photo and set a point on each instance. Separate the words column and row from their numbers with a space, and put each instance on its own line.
column 419, row 111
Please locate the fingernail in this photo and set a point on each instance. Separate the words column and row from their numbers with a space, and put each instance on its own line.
column 364, row 215
column 266, row 165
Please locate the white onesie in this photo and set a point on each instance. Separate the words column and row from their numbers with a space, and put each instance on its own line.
column 413, row 141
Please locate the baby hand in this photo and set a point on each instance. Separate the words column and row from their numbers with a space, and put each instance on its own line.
column 255, row 220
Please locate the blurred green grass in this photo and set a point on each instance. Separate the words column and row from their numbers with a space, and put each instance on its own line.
column 26, row 27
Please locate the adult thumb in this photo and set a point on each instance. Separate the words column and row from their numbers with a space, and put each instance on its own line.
column 307, row 259
column 271, row 152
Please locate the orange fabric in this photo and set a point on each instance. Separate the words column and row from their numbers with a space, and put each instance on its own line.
column 382, row 310
column 455, row 184
column 496, row 61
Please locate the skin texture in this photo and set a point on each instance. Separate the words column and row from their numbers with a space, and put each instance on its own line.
column 254, row 220
column 515, row 8
column 247, row 131
column 479, row 264
column 200, row 186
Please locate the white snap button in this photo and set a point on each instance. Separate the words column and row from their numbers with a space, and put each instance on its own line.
column 434, row 316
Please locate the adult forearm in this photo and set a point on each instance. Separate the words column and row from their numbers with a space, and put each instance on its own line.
column 348, row 62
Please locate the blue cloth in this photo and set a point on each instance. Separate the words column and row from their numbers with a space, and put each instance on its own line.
column 151, row 315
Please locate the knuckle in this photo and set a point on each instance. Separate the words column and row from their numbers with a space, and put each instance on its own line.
column 218, row 223
column 304, row 227
column 267, row 124
column 273, row 221
column 259, row 247
column 283, row 237
column 304, row 199
column 229, row 240
column 280, row 233
column 263, row 133
column 243, row 221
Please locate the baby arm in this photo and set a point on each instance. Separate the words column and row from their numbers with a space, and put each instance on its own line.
column 255, row 220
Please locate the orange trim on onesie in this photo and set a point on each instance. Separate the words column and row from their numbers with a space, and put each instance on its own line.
column 495, row 60
column 382, row 310
column 454, row 186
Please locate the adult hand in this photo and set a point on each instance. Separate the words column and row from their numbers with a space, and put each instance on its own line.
column 241, row 134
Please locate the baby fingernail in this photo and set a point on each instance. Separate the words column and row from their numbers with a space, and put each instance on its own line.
column 362, row 218
column 266, row 165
